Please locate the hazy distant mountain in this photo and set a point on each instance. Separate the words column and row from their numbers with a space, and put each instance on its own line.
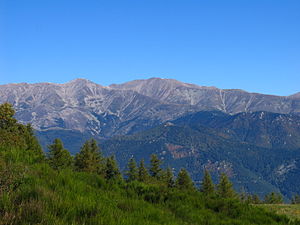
column 251, row 168
column 130, row 107
column 210, row 98
column 263, row 129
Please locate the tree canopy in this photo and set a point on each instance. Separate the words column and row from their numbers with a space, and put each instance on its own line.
column 59, row 158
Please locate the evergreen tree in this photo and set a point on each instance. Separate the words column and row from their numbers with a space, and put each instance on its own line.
column 112, row 171
column 168, row 177
column 224, row 188
column 132, row 172
column 32, row 143
column 7, row 121
column 273, row 198
column 82, row 159
column 155, row 170
column 296, row 199
column 14, row 134
column 254, row 199
column 207, row 185
column 143, row 174
column 184, row 180
column 89, row 159
column 249, row 198
column 97, row 157
column 58, row 157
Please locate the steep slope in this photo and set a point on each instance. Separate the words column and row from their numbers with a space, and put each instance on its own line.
column 251, row 168
column 210, row 98
column 264, row 129
column 87, row 107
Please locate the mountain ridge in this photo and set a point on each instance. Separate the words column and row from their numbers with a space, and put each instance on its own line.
column 114, row 85
column 129, row 107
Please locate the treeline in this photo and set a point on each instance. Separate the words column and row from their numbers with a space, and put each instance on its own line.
column 91, row 160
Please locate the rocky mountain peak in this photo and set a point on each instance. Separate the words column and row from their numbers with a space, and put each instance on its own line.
column 124, row 108
column 157, row 88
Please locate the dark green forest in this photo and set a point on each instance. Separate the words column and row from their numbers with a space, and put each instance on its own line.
column 88, row 188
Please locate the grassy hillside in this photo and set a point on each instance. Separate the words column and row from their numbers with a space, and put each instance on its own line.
column 58, row 189
column 34, row 193
column 290, row 210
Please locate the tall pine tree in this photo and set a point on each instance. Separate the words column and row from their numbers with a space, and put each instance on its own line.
column 207, row 185
column 112, row 171
column 7, row 121
column 132, row 171
column 14, row 134
column 273, row 198
column 224, row 188
column 89, row 159
column 58, row 157
column 155, row 170
column 143, row 174
column 32, row 143
column 184, row 180
column 168, row 177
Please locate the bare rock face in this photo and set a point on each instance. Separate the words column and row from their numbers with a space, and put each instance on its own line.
column 210, row 98
column 85, row 106
column 126, row 108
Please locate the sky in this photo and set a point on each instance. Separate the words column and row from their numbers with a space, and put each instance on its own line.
column 245, row 44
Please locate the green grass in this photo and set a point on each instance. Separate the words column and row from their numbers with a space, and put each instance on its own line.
column 290, row 210
column 41, row 195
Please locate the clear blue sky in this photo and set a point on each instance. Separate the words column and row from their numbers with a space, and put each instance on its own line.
column 247, row 44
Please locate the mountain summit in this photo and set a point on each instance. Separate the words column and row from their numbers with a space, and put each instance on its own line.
column 126, row 108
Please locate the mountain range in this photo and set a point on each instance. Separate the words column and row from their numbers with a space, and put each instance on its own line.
column 254, row 138
column 85, row 106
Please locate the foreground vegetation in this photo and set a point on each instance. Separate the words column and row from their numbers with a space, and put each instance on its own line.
column 290, row 210
column 89, row 188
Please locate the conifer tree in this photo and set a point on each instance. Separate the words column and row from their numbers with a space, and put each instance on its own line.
column 207, row 185
column 184, row 180
column 32, row 143
column 89, row 159
column 155, row 170
column 7, row 121
column 168, row 177
column 273, row 198
column 83, row 159
column 112, row 171
column 97, row 157
column 224, row 188
column 132, row 172
column 18, row 135
column 254, row 199
column 143, row 174
column 58, row 157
